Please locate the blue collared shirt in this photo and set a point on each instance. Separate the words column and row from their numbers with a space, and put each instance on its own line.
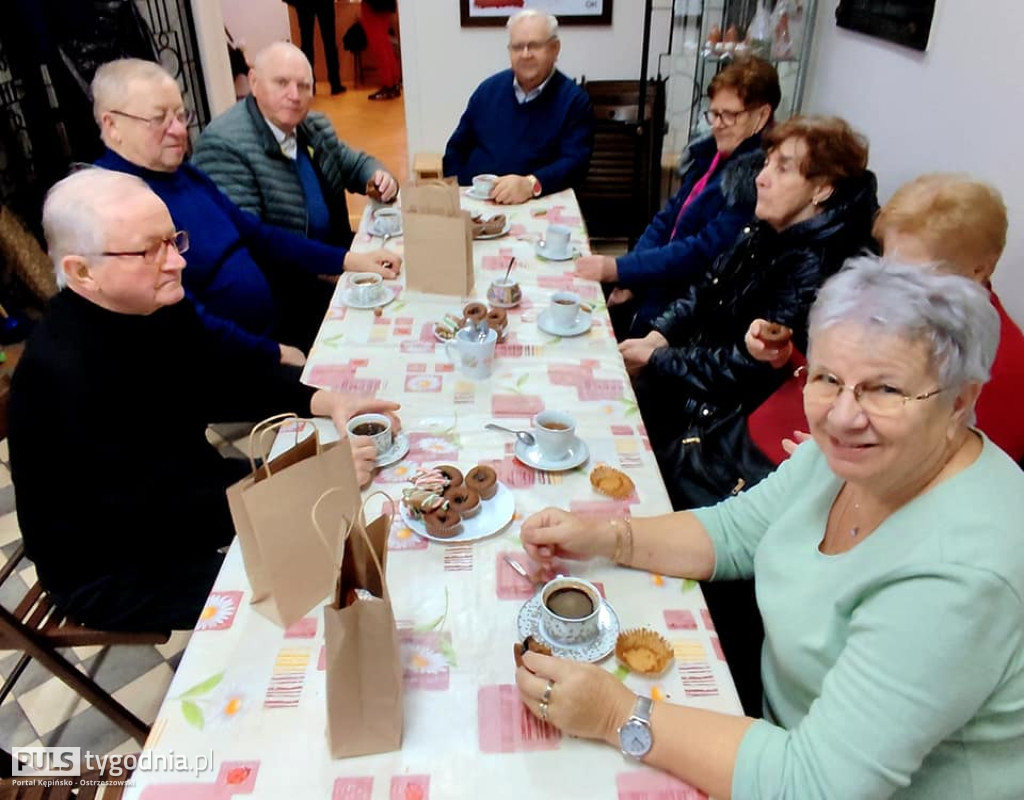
column 524, row 96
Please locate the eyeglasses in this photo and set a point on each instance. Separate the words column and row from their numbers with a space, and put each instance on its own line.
column 156, row 253
column 185, row 117
column 727, row 118
column 529, row 47
column 876, row 399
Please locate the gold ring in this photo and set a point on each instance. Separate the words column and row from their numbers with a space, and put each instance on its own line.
column 544, row 710
column 546, row 697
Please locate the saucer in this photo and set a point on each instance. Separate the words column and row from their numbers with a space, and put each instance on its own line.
column 529, row 623
column 496, row 304
column 387, row 294
column 373, row 230
column 399, row 447
column 542, row 251
column 531, row 456
column 504, row 231
column 471, row 192
column 582, row 324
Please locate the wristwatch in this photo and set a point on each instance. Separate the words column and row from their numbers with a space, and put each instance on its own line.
column 635, row 736
column 535, row 186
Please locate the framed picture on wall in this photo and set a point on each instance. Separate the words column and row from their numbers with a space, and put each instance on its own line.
column 905, row 22
column 495, row 13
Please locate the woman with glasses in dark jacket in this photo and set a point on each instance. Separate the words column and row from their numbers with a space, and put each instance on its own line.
column 815, row 204
column 714, row 202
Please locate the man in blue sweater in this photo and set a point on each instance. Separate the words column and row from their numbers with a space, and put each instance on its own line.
column 530, row 125
column 253, row 284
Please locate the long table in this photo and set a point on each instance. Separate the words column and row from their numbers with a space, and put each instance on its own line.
column 252, row 696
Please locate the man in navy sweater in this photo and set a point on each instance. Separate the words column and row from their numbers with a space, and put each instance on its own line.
column 253, row 284
column 530, row 125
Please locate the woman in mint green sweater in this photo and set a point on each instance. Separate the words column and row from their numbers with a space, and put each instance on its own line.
column 889, row 567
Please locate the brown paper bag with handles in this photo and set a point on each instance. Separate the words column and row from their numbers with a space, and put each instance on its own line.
column 289, row 564
column 438, row 239
column 362, row 654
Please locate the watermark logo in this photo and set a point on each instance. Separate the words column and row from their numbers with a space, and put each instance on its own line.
column 46, row 762
column 30, row 763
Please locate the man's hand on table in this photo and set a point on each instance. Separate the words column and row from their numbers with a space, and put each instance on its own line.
column 636, row 353
column 341, row 407
column 385, row 263
column 584, row 700
column 292, row 356
column 598, row 268
column 512, row 190
column 386, row 185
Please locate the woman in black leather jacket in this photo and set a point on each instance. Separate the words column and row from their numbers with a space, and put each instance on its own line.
column 815, row 204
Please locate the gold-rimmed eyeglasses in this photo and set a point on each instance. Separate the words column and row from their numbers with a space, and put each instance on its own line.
column 156, row 252
column 163, row 121
column 876, row 399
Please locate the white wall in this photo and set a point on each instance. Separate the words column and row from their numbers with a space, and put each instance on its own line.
column 256, row 23
column 213, row 55
column 442, row 62
column 957, row 107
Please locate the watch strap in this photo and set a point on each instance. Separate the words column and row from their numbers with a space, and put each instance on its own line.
column 642, row 709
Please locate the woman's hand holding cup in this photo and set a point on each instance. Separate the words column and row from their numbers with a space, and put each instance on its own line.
column 554, row 533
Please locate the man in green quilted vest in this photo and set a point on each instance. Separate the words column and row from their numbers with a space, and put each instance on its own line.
column 277, row 159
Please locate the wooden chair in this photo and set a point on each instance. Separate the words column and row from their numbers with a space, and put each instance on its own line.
column 37, row 628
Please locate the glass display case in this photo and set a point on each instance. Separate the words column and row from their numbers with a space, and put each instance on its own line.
column 778, row 30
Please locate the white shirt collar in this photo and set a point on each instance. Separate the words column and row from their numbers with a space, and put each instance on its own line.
column 523, row 96
column 288, row 141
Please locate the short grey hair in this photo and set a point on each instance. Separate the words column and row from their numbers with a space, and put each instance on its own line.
column 531, row 13
column 259, row 63
column 110, row 84
column 951, row 314
column 73, row 212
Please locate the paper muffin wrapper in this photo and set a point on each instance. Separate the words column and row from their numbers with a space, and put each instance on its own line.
column 643, row 651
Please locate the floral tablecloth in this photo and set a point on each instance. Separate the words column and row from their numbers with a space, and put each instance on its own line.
column 253, row 696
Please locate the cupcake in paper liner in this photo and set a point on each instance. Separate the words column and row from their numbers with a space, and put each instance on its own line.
column 643, row 651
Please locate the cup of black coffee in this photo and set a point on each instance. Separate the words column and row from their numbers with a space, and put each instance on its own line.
column 569, row 610
column 376, row 426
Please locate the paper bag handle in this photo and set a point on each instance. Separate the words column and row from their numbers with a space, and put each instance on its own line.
column 269, row 425
column 351, row 523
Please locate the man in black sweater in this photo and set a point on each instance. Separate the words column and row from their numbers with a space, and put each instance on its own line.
column 120, row 497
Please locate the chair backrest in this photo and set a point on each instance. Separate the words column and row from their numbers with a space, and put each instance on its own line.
column 621, row 191
column 25, row 256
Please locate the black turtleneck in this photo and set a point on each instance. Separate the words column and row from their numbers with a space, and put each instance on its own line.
column 110, row 461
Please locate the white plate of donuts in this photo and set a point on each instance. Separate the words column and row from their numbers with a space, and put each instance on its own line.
column 465, row 514
column 497, row 318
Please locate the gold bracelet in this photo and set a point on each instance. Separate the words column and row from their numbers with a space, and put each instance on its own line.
column 623, row 541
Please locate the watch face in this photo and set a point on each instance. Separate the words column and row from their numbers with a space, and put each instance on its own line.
column 635, row 738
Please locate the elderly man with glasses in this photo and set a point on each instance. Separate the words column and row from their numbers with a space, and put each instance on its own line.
column 126, row 537
column 530, row 125
column 253, row 283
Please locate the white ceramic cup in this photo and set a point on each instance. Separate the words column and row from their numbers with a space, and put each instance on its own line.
column 557, row 241
column 555, row 432
column 474, row 358
column 483, row 185
column 387, row 220
column 579, row 603
column 564, row 308
column 365, row 287
column 376, row 426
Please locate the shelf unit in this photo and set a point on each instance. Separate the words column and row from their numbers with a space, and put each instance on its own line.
column 740, row 13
